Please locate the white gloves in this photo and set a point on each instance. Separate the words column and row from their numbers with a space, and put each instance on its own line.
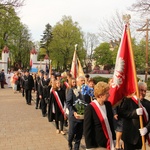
column 139, row 111
column 143, row 131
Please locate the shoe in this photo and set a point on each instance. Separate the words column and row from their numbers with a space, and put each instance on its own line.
column 57, row 131
column 36, row 107
column 44, row 115
column 29, row 103
column 62, row 132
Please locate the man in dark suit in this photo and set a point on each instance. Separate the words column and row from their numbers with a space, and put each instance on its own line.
column 75, row 124
column 44, row 93
column 130, row 112
column 37, row 87
column 28, row 85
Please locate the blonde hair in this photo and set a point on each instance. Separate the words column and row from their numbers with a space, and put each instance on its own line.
column 100, row 88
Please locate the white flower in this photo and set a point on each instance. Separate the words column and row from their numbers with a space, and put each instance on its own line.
column 76, row 92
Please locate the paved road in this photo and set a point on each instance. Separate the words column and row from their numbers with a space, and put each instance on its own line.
column 22, row 127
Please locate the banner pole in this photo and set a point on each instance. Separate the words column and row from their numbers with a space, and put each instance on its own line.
column 135, row 77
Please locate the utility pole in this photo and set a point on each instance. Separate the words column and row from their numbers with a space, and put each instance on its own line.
column 145, row 28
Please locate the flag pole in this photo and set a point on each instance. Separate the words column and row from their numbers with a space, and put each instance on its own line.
column 50, row 68
column 126, row 19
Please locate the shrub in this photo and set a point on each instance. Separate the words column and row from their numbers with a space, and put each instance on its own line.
column 98, row 78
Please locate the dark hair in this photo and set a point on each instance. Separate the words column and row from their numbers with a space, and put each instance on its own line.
column 91, row 80
column 87, row 75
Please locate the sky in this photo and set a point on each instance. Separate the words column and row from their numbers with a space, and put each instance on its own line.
column 88, row 13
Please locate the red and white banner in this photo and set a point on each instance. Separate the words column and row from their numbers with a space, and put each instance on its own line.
column 123, row 82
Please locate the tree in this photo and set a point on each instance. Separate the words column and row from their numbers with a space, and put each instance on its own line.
column 47, row 38
column 91, row 41
column 8, row 24
column 12, row 3
column 17, row 39
column 66, row 34
column 112, row 29
column 142, row 7
column 103, row 55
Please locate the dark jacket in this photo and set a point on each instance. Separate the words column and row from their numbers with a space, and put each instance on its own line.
column 44, row 88
column 131, row 124
column 28, row 82
column 93, row 132
column 70, row 100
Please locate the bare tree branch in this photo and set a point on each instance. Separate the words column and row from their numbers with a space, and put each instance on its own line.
column 13, row 3
column 141, row 6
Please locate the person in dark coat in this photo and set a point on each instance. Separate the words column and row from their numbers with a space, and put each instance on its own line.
column 22, row 83
column 131, row 124
column 44, row 92
column 146, row 103
column 98, row 120
column 75, row 124
column 2, row 78
column 56, row 106
column 28, row 85
column 37, row 88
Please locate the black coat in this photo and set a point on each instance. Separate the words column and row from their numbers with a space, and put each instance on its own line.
column 44, row 88
column 37, row 83
column 146, row 104
column 28, row 82
column 57, row 116
column 93, row 132
column 131, row 124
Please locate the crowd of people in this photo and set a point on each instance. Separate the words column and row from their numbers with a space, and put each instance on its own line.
column 103, row 126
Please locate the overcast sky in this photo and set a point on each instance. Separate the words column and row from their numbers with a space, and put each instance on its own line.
column 88, row 13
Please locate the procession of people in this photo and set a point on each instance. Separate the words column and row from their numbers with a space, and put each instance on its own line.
column 57, row 95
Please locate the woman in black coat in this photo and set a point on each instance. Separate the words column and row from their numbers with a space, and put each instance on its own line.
column 98, row 120
column 56, row 106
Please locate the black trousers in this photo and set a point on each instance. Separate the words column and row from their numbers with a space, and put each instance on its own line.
column 28, row 96
column 61, row 125
column 75, row 133
column 43, row 106
column 37, row 99
column 129, row 146
column 2, row 84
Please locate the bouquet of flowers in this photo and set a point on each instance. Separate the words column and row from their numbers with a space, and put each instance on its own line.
column 85, row 89
column 80, row 107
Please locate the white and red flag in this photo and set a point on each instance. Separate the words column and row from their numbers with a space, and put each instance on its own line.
column 76, row 68
column 124, row 80
column 74, row 65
